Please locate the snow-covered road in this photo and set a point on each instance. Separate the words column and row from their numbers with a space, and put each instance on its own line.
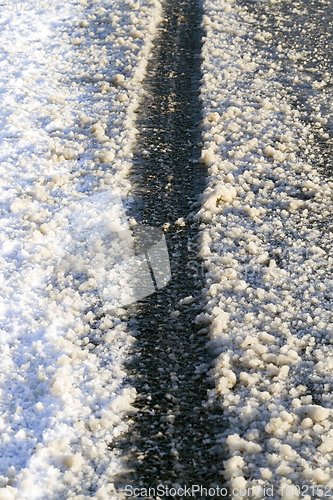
column 267, row 244
column 70, row 82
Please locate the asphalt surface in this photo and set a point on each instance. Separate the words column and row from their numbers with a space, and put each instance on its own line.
column 174, row 438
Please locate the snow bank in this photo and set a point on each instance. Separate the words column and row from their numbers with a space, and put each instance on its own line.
column 269, row 280
column 70, row 83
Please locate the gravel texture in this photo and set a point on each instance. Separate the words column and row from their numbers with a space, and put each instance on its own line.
column 174, row 433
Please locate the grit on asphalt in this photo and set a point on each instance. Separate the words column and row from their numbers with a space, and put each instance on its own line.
column 175, row 435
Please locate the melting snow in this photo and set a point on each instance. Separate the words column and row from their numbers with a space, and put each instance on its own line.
column 269, row 269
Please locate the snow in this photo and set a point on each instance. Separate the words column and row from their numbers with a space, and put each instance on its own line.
column 269, row 280
column 70, row 82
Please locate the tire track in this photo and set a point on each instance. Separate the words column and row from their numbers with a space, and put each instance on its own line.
column 174, row 438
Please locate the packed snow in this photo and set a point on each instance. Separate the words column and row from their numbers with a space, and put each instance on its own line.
column 70, row 81
column 269, row 260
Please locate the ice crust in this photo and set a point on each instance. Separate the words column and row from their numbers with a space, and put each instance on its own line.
column 269, row 280
column 70, row 82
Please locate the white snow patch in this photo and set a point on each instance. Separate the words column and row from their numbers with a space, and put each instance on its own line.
column 70, row 83
column 269, row 279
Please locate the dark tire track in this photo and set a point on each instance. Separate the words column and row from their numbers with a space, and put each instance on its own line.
column 174, row 435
